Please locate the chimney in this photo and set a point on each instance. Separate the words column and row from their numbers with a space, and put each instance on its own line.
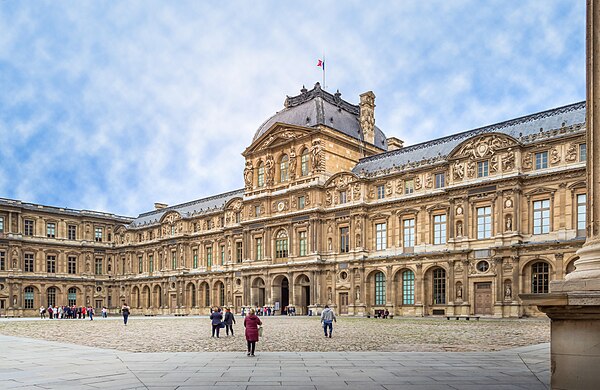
column 160, row 206
column 394, row 144
column 367, row 116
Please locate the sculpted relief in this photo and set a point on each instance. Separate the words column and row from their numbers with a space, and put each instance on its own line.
column 316, row 157
column 248, row 175
column 483, row 146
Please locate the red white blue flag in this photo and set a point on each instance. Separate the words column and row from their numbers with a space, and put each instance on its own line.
column 321, row 64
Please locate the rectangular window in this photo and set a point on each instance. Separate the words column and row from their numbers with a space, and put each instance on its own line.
column 301, row 202
column 2, row 261
column 150, row 263
column 409, row 186
column 28, row 261
column 209, row 258
column 302, row 243
column 140, row 264
column 439, row 229
column 99, row 266
column 304, row 164
column 343, row 197
column 28, row 298
column 72, row 232
column 582, row 152
column 380, row 236
column 439, row 286
column 222, row 254
column 258, row 246
column 173, row 260
column 344, row 240
column 195, row 258
column 380, row 191
column 51, row 230
column 238, row 252
column 440, row 180
column 541, row 216
column 541, row 160
column 238, row 217
column 483, row 168
column 28, row 227
column 484, row 222
column 98, row 234
column 1, row 224
column 581, row 214
column 51, row 264
column 409, row 232
column 72, row 265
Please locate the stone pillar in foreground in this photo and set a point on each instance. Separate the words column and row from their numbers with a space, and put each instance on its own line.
column 573, row 304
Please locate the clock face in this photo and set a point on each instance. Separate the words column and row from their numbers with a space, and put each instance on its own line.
column 280, row 206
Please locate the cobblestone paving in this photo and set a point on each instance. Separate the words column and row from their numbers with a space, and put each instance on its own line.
column 299, row 334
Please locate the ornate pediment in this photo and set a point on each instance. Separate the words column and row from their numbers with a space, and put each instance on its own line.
column 170, row 217
column 341, row 181
column 277, row 135
column 483, row 146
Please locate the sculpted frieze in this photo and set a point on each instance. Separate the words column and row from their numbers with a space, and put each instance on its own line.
column 571, row 155
column 554, row 156
column 458, row 171
column 528, row 161
column 508, row 161
column 483, row 146
column 316, row 157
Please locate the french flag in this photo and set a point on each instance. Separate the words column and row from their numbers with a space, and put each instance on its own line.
column 321, row 64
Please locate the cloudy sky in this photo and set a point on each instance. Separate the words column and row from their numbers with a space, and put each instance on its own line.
column 113, row 106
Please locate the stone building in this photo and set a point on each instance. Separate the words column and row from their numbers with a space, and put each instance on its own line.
column 332, row 212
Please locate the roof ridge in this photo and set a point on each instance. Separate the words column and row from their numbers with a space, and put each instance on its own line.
column 190, row 203
column 479, row 130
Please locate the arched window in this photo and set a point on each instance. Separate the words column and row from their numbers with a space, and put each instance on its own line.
column 260, row 175
column 206, row 295
column 408, row 287
column 28, row 298
column 379, row 288
column 221, row 294
column 283, row 168
column 281, row 245
column 72, row 296
column 304, row 163
column 539, row 278
column 192, row 295
column 439, row 286
column 51, row 296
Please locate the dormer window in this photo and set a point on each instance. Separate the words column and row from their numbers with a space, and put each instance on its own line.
column 541, row 160
column 261, row 174
column 343, row 198
column 283, row 169
column 483, row 169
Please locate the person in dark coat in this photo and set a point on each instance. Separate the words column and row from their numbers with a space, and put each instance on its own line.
column 251, row 323
column 216, row 317
column 229, row 321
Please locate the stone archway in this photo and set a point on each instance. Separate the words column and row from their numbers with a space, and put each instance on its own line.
column 258, row 292
column 302, row 294
column 280, row 293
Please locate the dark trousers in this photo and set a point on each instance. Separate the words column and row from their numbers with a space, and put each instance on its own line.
column 125, row 317
column 328, row 324
column 216, row 328
column 251, row 346
column 229, row 328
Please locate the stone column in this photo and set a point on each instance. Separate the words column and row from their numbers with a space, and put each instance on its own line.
column 573, row 304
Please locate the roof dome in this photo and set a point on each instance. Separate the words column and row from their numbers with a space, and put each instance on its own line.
column 319, row 107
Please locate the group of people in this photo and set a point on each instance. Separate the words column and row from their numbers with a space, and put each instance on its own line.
column 252, row 324
column 70, row 312
column 261, row 311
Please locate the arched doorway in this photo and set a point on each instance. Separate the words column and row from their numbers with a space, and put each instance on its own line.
column 302, row 287
column 281, row 293
column 157, row 297
column 146, row 297
column 258, row 292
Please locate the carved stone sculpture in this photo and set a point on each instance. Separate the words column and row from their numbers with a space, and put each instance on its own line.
column 571, row 155
column 269, row 170
column 418, row 184
column 554, row 156
column 528, row 161
column 508, row 161
column 316, row 156
column 470, row 169
column 292, row 167
column 459, row 171
column 248, row 175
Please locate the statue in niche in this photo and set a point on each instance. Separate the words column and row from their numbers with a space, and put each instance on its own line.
column 329, row 245
column 459, row 229
column 459, row 291
column 508, row 223
column 292, row 166
column 248, row 174
column 315, row 153
column 357, row 293
column 269, row 170
column 507, row 291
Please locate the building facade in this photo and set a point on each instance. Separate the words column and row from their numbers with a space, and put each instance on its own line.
column 332, row 213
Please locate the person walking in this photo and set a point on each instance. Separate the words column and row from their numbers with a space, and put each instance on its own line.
column 42, row 312
column 216, row 317
column 125, row 310
column 327, row 319
column 90, row 311
column 104, row 312
column 229, row 320
column 251, row 323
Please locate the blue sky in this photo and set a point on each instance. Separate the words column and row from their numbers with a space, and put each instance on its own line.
column 113, row 106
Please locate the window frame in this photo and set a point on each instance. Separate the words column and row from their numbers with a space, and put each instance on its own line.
column 409, row 186
column 541, row 160
column 28, row 227
column 28, row 262
column 281, row 244
column 72, row 232
column 381, row 236
column 304, row 160
column 540, row 222
column 258, row 248
column 581, row 215
column 408, row 287
column 51, row 263
column 440, row 180
column 343, row 197
column 412, row 232
column 72, row 265
column 239, row 252
column 582, row 152
column 483, row 168
column 284, row 174
column 98, row 233
column 380, row 289
column 302, row 243
column 28, row 297
column 98, row 266
column 344, row 232
column 438, row 290
column 380, row 191
column 540, row 279
column 484, row 222
column 440, row 229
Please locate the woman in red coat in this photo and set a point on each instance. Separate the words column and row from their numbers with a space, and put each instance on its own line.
column 251, row 323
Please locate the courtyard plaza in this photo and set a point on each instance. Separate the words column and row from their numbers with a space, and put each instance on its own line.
column 178, row 353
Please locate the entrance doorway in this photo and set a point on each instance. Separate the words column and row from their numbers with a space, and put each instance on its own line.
column 344, row 303
column 173, row 303
column 238, row 303
column 285, row 292
column 483, row 298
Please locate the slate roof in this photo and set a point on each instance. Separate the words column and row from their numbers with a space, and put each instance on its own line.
column 531, row 128
column 319, row 107
column 63, row 210
column 187, row 210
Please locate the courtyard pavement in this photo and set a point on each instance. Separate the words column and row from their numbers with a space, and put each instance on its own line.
column 39, row 364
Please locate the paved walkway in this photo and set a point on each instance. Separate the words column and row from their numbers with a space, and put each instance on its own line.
column 38, row 364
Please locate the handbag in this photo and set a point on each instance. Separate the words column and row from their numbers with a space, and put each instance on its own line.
column 260, row 331
column 221, row 324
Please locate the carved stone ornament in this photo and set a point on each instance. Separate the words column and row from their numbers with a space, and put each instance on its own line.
column 292, row 166
column 554, row 156
column 286, row 135
column 483, row 146
column 418, row 184
column 248, row 175
column 494, row 164
column 316, row 157
column 508, row 203
column 571, row 155
column 269, row 170
column 459, row 171
column 471, row 169
column 508, row 161
column 528, row 161
column 356, row 191
column 328, row 198
column 459, row 210
column 429, row 181
column 388, row 188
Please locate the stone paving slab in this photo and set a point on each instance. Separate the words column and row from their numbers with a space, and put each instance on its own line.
column 40, row 364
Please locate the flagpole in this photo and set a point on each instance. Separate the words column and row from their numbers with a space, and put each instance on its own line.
column 323, row 70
